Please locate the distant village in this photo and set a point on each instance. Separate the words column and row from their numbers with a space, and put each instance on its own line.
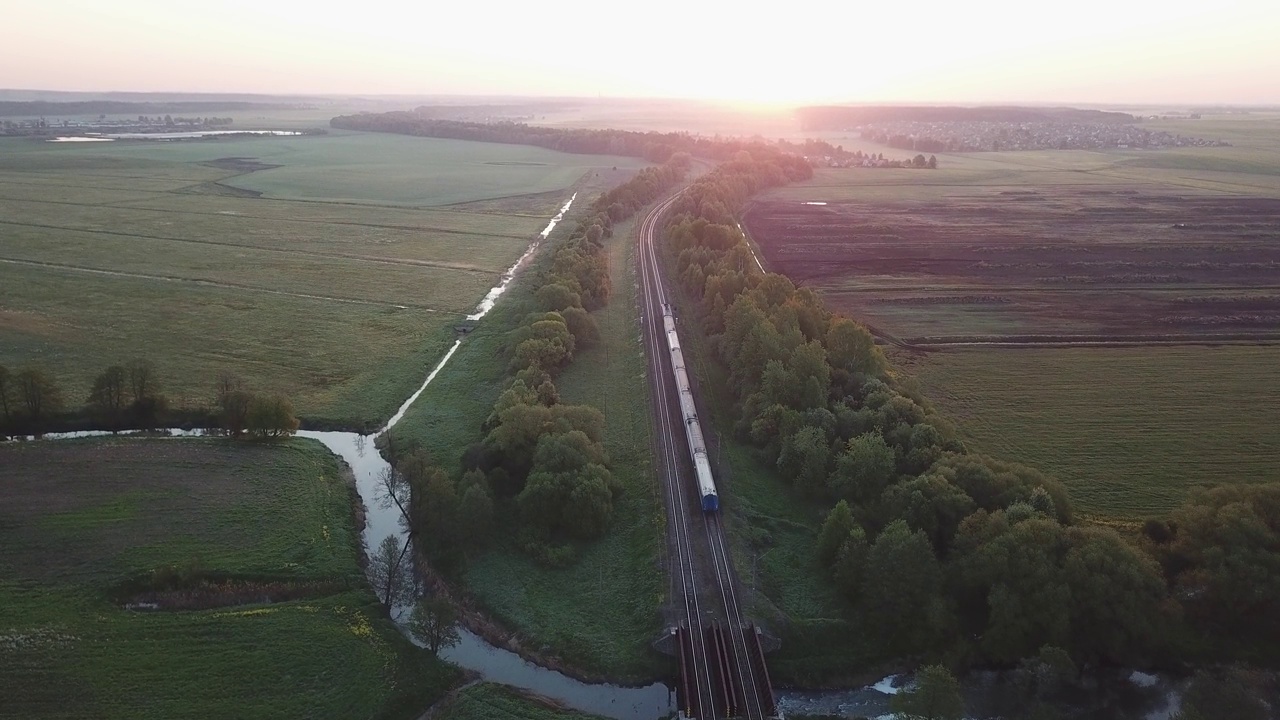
column 988, row 136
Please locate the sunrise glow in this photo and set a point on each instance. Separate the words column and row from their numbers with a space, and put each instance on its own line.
column 1089, row 51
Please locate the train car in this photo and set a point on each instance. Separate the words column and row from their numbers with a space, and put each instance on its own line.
column 689, row 413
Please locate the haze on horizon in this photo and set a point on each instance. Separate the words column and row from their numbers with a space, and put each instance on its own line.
column 1085, row 51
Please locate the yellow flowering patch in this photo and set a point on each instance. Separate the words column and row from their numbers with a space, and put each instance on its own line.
column 360, row 627
column 248, row 613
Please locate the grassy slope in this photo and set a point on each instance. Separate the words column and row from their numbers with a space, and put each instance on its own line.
column 487, row 701
column 1129, row 430
column 79, row 516
column 601, row 613
column 614, row 589
column 216, row 280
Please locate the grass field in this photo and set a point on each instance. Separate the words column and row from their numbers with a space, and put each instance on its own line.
column 487, row 701
column 79, row 518
column 1129, row 430
column 1172, row 250
column 362, row 249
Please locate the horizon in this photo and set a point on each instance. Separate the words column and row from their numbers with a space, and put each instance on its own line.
column 490, row 98
column 1144, row 54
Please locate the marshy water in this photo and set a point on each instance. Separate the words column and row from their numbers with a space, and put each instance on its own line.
column 182, row 135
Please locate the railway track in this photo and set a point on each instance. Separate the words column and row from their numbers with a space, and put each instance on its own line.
column 722, row 670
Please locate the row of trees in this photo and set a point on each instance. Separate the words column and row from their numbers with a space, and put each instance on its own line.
column 131, row 396
column 938, row 549
column 822, row 153
column 543, row 456
column 652, row 146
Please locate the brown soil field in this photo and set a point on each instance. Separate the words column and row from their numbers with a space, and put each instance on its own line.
column 1059, row 264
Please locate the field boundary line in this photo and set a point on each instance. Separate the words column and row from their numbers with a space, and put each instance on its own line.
column 212, row 283
column 125, row 205
column 439, row 265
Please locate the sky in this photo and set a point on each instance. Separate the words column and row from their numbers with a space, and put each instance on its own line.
column 1081, row 51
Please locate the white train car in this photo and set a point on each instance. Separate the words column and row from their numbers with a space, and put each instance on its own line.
column 689, row 412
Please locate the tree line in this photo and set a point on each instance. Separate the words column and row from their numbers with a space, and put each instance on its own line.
column 131, row 396
column 652, row 146
column 541, row 457
column 940, row 551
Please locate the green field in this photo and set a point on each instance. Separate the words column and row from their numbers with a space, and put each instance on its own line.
column 362, row 249
column 1128, row 430
column 487, row 701
column 80, row 518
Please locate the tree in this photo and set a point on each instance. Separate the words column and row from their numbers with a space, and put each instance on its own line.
column 935, row 696
column 1044, row 676
column 584, row 328
column 850, row 566
column 902, row 584
column 475, row 509
column 835, row 530
column 389, row 572
column 1225, row 559
column 225, row 384
column 567, row 452
column 805, row 459
column 109, row 395
column 39, row 394
column 576, row 503
column 235, row 405
column 863, row 469
column 1010, row 586
column 812, row 376
column 933, row 162
column 434, row 623
column 271, row 416
column 930, row 504
column 1117, row 594
column 557, row 297
column 436, row 512
column 8, row 403
column 393, row 491
column 1226, row 693
column 143, row 381
column 148, row 402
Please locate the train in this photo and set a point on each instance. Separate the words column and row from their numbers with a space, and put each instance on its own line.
column 689, row 412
